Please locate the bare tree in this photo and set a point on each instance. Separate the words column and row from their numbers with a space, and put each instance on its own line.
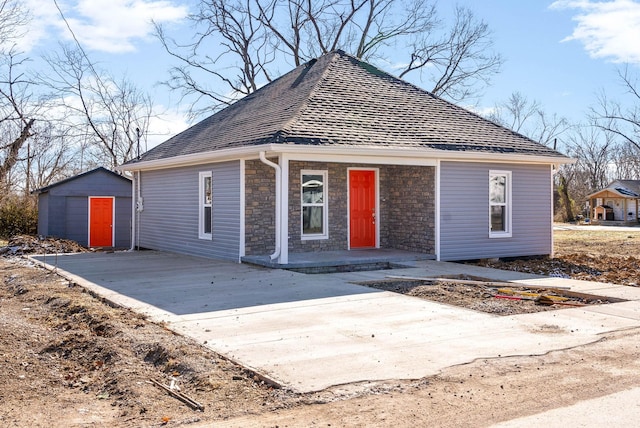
column 593, row 150
column 13, row 18
column 530, row 119
column 17, row 115
column 238, row 45
column 50, row 156
column 612, row 116
column 515, row 113
column 111, row 114
column 626, row 162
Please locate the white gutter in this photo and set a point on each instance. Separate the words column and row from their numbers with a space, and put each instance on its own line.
column 133, row 212
column 197, row 158
column 136, row 207
column 275, row 166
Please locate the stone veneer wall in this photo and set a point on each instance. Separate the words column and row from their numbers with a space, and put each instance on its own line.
column 260, row 231
column 407, row 207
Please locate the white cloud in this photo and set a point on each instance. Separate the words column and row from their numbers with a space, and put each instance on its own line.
column 101, row 25
column 163, row 126
column 481, row 110
column 607, row 29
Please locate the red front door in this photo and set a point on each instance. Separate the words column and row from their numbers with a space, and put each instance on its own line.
column 101, row 222
column 362, row 208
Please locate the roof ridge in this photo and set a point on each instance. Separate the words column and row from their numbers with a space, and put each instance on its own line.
column 75, row 177
column 305, row 103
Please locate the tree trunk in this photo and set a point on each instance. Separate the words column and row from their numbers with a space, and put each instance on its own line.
column 564, row 193
column 13, row 150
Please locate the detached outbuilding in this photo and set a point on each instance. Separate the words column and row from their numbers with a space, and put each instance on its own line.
column 92, row 208
column 618, row 203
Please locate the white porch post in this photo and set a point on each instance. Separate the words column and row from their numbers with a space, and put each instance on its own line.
column 284, row 210
column 437, row 210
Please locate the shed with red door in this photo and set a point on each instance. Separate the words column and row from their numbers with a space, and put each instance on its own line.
column 92, row 208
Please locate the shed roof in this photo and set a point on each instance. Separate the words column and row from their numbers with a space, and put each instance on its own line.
column 622, row 188
column 340, row 101
column 79, row 176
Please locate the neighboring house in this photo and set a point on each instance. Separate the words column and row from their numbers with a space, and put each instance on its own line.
column 93, row 208
column 338, row 155
column 618, row 202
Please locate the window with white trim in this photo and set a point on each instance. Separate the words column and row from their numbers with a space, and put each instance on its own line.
column 313, row 197
column 499, row 204
column 205, row 205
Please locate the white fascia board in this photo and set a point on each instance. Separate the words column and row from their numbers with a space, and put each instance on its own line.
column 609, row 189
column 222, row 155
column 379, row 155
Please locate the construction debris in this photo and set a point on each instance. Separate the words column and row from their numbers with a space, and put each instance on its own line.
column 500, row 298
column 471, row 282
column 29, row 244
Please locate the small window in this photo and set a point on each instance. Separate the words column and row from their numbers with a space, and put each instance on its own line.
column 499, row 204
column 314, row 204
column 205, row 205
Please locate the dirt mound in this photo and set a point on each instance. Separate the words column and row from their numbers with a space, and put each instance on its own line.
column 28, row 244
column 59, row 344
column 585, row 267
column 494, row 299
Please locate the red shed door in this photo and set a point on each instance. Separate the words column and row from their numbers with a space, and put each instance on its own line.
column 362, row 208
column 100, row 222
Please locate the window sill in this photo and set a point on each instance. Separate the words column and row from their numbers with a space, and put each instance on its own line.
column 313, row 237
column 500, row 235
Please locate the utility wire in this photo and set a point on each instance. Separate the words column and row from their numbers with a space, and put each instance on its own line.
column 80, row 48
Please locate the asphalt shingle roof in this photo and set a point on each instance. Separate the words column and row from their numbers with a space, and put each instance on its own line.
column 632, row 186
column 337, row 101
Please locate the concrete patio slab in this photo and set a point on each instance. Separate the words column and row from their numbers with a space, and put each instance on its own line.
column 310, row 332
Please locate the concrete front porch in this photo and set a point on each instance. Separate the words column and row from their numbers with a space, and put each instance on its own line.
column 343, row 261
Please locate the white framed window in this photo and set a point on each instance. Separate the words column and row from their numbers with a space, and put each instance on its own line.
column 205, row 205
column 313, row 199
column 500, row 204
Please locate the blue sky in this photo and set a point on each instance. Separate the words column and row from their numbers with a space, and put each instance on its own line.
column 560, row 53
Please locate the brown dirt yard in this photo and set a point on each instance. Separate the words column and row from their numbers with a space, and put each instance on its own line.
column 68, row 359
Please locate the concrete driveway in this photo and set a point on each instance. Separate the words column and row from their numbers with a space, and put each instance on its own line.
column 310, row 332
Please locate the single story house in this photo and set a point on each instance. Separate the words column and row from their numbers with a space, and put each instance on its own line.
column 618, row 202
column 92, row 208
column 337, row 155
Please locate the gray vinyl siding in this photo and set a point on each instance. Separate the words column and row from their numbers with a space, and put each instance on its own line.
column 464, row 211
column 57, row 217
column 122, row 220
column 77, row 219
column 43, row 214
column 169, row 220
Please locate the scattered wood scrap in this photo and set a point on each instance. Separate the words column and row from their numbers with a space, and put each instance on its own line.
column 179, row 395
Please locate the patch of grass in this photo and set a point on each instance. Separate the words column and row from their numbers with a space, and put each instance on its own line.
column 597, row 242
